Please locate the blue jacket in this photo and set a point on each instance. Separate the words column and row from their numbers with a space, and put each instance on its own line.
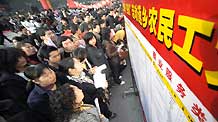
column 38, row 102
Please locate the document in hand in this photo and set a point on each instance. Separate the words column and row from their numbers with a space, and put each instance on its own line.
column 100, row 78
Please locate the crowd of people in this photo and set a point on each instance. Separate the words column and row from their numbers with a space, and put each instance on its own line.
column 62, row 65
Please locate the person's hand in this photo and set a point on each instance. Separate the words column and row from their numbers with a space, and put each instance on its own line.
column 120, row 47
column 101, row 116
column 93, row 70
column 106, row 84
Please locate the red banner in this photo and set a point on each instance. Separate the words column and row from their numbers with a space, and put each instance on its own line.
column 73, row 4
column 46, row 4
column 185, row 34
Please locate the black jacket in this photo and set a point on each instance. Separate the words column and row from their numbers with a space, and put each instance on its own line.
column 38, row 101
column 96, row 56
column 13, row 94
column 110, row 21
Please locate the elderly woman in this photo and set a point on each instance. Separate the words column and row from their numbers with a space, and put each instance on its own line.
column 67, row 106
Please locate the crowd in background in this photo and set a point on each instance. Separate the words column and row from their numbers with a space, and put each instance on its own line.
column 60, row 63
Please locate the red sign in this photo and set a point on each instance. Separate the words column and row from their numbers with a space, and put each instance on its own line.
column 185, row 34
column 74, row 4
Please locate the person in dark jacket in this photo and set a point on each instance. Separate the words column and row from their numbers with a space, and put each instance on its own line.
column 64, row 25
column 45, row 82
column 96, row 55
column 1, row 35
column 50, row 56
column 113, row 55
column 73, row 23
column 84, row 26
column 110, row 21
column 74, row 71
column 68, row 45
column 13, row 93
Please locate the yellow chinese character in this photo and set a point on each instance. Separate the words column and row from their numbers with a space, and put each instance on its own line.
column 128, row 9
column 192, row 25
column 134, row 10
column 153, row 20
column 144, row 18
column 212, row 76
column 165, row 29
column 124, row 7
column 139, row 15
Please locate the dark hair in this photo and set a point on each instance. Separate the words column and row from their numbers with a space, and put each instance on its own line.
column 61, row 103
column 74, row 28
column 87, row 14
column 80, row 53
column 44, row 52
column 72, row 16
column 88, row 36
column 21, row 28
column 101, row 21
column 105, row 34
column 62, row 39
column 94, row 25
column 111, row 9
column 65, row 64
column 17, row 38
column 3, row 59
column 9, row 58
column 65, row 19
column 22, row 43
column 41, row 31
column 33, row 72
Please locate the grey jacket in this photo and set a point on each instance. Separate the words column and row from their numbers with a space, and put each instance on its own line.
column 88, row 115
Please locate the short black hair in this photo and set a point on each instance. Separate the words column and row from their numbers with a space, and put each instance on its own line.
column 9, row 58
column 41, row 31
column 65, row 64
column 111, row 9
column 33, row 72
column 17, row 38
column 88, row 36
column 44, row 52
column 23, row 42
column 80, row 53
column 72, row 16
column 21, row 28
column 74, row 28
column 94, row 25
column 101, row 21
column 62, row 39
column 65, row 19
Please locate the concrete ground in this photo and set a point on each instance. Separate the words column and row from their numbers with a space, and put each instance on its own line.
column 126, row 106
